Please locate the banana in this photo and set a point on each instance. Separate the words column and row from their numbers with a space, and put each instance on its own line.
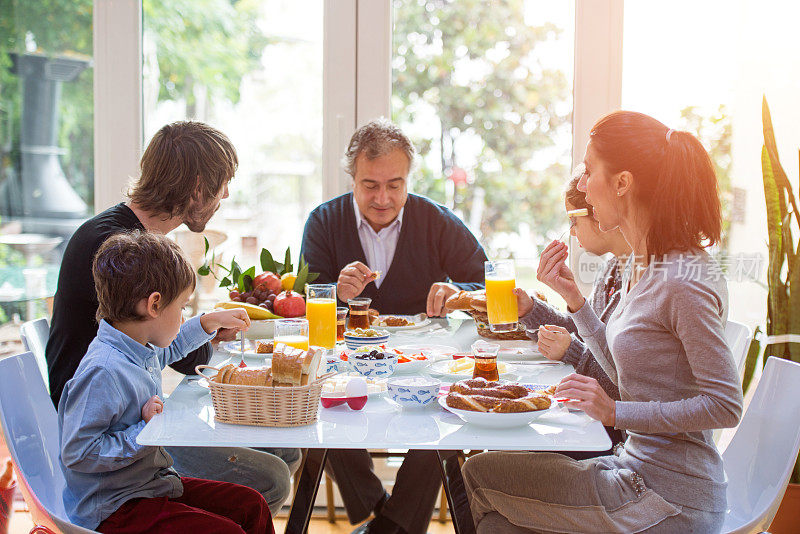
column 254, row 312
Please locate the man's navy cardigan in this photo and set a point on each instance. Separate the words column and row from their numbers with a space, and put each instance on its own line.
column 434, row 246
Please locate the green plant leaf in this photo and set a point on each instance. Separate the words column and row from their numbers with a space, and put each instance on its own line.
column 204, row 270
column 225, row 282
column 287, row 262
column 312, row 277
column 267, row 262
column 302, row 279
column 246, row 280
column 205, row 240
column 751, row 359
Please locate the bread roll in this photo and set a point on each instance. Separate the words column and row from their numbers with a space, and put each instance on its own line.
column 459, row 301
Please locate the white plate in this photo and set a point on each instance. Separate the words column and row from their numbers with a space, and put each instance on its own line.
column 517, row 350
column 440, row 369
column 234, row 348
column 494, row 420
column 419, row 321
column 434, row 352
column 344, row 378
column 412, row 367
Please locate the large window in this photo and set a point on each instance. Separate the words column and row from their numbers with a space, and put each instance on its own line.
column 46, row 145
column 484, row 89
column 710, row 80
column 254, row 71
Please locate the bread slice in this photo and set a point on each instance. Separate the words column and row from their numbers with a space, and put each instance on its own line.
column 311, row 364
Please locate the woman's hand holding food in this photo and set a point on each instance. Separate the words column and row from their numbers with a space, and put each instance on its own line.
column 586, row 394
column 553, row 341
column 234, row 318
column 353, row 279
column 524, row 302
column 153, row 406
column 553, row 272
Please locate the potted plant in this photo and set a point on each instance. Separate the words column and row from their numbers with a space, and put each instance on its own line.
column 783, row 283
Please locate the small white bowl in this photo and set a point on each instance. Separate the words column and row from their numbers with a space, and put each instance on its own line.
column 374, row 368
column 260, row 329
column 413, row 392
column 354, row 342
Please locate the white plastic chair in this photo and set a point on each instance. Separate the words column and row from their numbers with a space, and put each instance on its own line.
column 764, row 449
column 30, row 426
column 738, row 337
column 34, row 336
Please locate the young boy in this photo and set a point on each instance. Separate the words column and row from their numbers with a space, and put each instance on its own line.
column 114, row 484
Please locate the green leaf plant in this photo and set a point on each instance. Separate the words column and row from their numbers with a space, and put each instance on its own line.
column 783, row 273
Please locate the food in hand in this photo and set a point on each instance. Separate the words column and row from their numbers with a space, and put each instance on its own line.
column 290, row 304
column 295, row 367
column 230, row 374
column 264, row 347
column 391, row 320
column 267, row 281
column 253, row 311
column 287, row 281
column 375, row 275
column 467, row 301
column 480, row 395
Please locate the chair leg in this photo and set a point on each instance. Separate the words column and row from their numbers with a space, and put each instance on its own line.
column 329, row 499
column 443, row 506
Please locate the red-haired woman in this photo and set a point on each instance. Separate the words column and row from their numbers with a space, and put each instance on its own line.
column 664, row 347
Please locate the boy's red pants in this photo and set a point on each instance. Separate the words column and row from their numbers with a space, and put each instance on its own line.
column 205, row 506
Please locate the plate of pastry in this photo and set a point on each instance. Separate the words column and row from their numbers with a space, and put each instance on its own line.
column 398, row 323
column 496, row 404
column 254, row 348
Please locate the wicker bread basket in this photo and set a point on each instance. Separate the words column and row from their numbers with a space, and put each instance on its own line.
column 482, row 324
column 280, row 406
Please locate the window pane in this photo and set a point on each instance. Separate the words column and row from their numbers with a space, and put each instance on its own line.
column 46, row 145
column 710, row 80
column 254, row 71
column 484, row 89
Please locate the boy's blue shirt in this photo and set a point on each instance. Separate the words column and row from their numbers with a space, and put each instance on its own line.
column 100, row 415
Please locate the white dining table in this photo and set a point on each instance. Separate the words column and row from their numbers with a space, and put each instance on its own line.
column 188, row 420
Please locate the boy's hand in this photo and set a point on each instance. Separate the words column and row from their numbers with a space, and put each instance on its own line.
column 153, row 406
column 234, row 318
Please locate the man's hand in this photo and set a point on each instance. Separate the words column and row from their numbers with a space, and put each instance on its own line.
column 587, row 395
column 437, row 296
column 553, row 341
column 352, row 280
column 234, row 318
column 524, row 302
column 153, row 406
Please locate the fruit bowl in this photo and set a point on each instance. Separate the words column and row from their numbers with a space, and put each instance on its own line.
column 261, row 329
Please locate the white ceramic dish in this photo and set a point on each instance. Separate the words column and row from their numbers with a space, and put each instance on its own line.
column 374, row 368
column 338, row 383
column 434, row 352
column 419, row 321
column 518, row 350
column 412, row 367
column 260, row 329
column 234, row 348
column 440, row 369
column 495, row 420
column 354, row 342
column 413, row 392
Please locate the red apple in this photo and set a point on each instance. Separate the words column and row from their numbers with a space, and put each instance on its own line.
column 290, row 304
column 267, row 281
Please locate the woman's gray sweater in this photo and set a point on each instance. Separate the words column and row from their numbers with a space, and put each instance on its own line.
column 664, row 347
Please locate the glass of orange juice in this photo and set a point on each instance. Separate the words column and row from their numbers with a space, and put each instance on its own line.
column 501, row 303
column 321, row 314
column 292, row 332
